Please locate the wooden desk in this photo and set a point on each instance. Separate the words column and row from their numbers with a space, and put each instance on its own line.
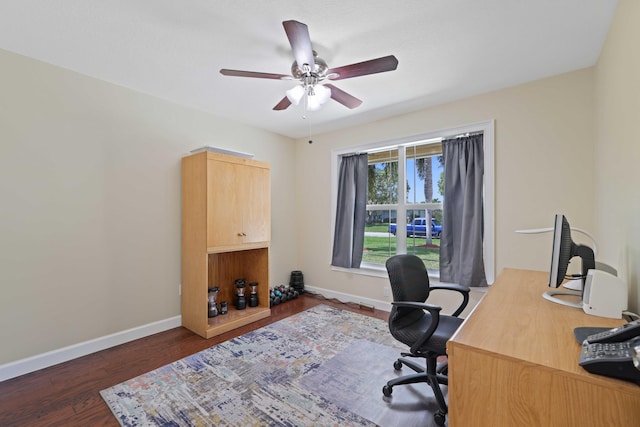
column 514, row 362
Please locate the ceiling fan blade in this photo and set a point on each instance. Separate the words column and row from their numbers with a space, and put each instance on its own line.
column 283, row 104
column 343, row 97
column 373, row 66
column 298, row 35
column 240, row 73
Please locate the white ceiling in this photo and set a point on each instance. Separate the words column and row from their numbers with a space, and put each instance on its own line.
column 447, row 49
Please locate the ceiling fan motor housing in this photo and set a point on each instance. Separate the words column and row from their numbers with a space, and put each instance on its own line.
column 319, row 72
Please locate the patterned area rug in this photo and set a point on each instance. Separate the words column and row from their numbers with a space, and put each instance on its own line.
column 322, row 367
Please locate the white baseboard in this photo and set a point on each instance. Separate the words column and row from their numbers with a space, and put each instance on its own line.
column 344, row 297
column 45, row 360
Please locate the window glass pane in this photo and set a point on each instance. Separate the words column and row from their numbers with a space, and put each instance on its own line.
column 415, row 222
column 420, row 244
column 383, row 178
column 436, row 223
column 379, row 243
column 424, row 167
column 428, row 252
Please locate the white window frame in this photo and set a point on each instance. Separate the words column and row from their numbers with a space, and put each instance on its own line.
column 487, row 128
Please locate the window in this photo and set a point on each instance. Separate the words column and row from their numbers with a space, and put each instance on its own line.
column 407, row 218
column 418, row 202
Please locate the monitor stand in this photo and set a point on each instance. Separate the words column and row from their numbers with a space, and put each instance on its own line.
column 575, row 284
column 550, row 296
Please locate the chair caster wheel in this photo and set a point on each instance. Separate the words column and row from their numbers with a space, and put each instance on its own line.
column 397, row 365
column 439, row 418
column 387, row 390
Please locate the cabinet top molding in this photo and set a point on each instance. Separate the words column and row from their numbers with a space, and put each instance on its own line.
column 212, row 149
column 207, row 155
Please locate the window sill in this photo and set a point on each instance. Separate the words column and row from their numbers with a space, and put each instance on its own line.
column 381, row 272
column 375, row 271
column 364, row 271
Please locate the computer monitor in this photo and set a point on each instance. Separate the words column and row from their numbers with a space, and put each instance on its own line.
column 563, row 250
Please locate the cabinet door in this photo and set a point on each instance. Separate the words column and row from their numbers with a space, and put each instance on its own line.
column 224, row 204
column 238, row 204
column 256, row 204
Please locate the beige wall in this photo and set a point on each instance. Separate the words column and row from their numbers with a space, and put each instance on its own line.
column 90, row 204
column 544, row 156
column 617, row 171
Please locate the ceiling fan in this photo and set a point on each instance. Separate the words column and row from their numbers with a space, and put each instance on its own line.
column 311, row 71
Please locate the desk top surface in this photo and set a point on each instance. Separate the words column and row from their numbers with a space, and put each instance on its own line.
column 514, row 320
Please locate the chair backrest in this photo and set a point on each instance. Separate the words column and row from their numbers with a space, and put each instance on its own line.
column 408, row 277
column 409, row 282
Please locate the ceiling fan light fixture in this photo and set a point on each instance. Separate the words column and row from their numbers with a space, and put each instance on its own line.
column 295, row 94
column 317, row 95
column 323, row 93
column 313, row 103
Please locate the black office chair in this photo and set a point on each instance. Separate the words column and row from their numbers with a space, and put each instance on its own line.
column 421, row 326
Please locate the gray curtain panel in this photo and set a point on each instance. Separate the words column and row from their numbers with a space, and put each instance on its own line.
column 351, row 212
column 461, row 249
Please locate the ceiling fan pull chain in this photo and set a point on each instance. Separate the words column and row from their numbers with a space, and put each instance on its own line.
column 306, row 100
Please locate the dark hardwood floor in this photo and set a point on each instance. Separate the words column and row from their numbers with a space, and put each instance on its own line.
column 68, row 394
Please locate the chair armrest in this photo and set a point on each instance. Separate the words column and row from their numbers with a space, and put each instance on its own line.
column 449, row 287
column 464, row 290
column 434, row 310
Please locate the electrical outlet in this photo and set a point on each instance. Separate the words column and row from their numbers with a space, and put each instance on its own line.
column 385, row 291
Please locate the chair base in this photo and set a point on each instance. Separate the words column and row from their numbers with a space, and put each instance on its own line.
column 441, row 367
column 422, row 375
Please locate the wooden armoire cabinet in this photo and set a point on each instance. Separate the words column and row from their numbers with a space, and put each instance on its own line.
column 226, row 232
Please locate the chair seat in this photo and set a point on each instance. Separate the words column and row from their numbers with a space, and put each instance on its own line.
column 410, row 333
